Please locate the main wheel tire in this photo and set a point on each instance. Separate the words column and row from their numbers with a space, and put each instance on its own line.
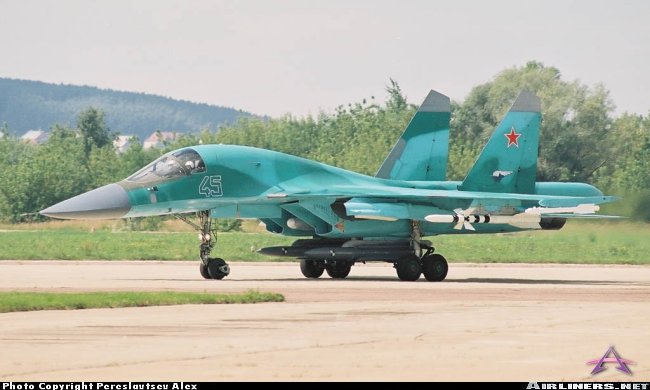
column 435, row 268
column 203, row 269
column 408, row 268
column 218, row 268
column 338, row 270
column 311, row 269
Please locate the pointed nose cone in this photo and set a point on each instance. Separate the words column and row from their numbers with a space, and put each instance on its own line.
column 105, row 202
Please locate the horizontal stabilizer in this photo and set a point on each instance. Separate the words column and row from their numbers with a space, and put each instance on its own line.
column 577, row 201
column 584, row 216
column 579, row 209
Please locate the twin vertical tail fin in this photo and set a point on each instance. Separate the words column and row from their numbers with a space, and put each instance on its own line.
column 508, row 162
column 421, row 152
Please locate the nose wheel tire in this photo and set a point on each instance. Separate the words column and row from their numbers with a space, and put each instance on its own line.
column 217, row 268
column 435, row 267
column 339, row 270
column 311, row 269
column 203, row 269
column 408, row 268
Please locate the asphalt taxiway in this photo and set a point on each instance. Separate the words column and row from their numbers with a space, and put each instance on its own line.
column 485, row 322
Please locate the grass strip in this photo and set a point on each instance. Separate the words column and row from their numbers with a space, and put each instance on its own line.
column 31, row 301
column 589, row 242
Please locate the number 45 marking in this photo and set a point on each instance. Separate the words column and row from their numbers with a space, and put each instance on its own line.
column 211, row 186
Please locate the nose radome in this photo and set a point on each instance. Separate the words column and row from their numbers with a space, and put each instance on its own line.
column 110, row 201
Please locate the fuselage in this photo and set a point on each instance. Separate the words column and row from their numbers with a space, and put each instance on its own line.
column 352, row 217
column 291, row 195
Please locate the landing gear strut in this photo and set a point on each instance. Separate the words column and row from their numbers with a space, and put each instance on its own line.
column 210, row 268
column 422, row 261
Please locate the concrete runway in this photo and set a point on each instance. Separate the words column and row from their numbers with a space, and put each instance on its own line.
column 485, row 322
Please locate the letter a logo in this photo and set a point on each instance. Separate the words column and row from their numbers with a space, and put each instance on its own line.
column 607, row 358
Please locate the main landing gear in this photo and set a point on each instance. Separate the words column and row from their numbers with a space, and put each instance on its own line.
column 313, row 269
column 409, row 266
column 433, row 266
column 411, row 258
column 210, row 267
column 422, row 261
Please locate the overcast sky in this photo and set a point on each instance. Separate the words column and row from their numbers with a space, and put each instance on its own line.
column 303, row 56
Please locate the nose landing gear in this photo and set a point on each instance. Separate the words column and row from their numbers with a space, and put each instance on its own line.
column 210, row 267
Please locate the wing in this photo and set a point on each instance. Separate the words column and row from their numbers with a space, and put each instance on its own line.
column 391, row 203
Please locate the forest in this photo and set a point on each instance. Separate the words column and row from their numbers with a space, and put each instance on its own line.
column 31, row 105
column 581, row 140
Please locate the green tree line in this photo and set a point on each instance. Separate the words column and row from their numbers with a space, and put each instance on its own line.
column 581, row 140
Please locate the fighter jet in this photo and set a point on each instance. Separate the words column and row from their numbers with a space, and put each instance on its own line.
column 350, row 218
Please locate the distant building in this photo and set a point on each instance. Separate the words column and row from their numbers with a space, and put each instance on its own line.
column 123, row 142
column 159, row 138
column 35, row 137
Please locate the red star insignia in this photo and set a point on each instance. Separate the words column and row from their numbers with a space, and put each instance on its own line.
column 513, row 137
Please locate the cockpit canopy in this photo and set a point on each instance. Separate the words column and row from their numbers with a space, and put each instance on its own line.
column 182, row 162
